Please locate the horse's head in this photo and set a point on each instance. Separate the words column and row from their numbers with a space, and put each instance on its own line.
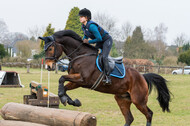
column 52, row 52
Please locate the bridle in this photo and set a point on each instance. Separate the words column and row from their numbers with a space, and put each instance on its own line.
column 54, row 57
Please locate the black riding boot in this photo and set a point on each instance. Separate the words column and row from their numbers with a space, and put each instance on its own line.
column 107, row 79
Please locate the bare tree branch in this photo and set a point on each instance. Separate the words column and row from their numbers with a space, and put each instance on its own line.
column 126, row 30
column 35, row 32
column 180, row 40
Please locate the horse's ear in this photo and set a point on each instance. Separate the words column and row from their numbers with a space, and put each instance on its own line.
column 46, row 39
column 42, row 38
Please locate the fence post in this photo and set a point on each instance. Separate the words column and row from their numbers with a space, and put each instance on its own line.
column 144, row 69
column 56, row 68
column 183, row 70
column 28, row 68
column 134, row 66
column 158, row 69
column 165, row 70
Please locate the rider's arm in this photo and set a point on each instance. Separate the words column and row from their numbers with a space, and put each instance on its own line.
column 94, row 29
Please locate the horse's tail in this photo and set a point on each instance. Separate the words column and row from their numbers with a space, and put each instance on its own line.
column 163, row 92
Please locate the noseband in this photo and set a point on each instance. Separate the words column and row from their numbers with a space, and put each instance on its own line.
column 54, row 55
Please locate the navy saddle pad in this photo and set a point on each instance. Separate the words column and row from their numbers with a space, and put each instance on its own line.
column 118, row 68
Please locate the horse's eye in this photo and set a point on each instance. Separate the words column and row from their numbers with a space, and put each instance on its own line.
column 50, row 49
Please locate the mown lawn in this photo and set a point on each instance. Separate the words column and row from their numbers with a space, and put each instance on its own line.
column 103, row 106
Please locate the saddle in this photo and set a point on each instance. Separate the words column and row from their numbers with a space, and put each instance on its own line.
column 112, row 62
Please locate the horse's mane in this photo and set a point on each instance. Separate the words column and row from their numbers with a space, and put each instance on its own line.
column 72, row 34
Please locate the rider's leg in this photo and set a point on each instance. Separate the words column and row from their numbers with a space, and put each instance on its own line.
column 105, row 52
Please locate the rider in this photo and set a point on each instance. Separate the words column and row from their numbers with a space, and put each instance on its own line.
column 97, row 35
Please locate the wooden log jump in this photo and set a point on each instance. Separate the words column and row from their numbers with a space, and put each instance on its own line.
column 18, row 123
column 39, row 96
column 47, row 116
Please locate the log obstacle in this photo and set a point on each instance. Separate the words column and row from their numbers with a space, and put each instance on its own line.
column 39, row 96
column 18, row 123
column 47, row 116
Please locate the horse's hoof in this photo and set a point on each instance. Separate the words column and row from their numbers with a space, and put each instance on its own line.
column 77, row 103
column 63, row 100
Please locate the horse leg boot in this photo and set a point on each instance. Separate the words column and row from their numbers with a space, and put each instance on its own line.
column 64, row 98
column 62, row 91
column 107, row 71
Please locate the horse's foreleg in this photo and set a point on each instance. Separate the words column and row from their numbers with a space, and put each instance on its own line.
column 73, row 78
column 124, row 104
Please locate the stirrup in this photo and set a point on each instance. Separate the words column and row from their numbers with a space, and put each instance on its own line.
column 107, row 80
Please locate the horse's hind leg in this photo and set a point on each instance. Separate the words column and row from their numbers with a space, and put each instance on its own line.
column 124, row 104
column 146, row 111
column 140, row 98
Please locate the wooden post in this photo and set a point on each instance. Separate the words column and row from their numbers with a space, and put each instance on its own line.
column 134, row 66
column 18, row 123
column 158, row 69
column 47, row 116
column 28, row 68
column 183, row 70
column 56, row 69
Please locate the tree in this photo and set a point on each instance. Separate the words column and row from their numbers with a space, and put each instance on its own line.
column 160, row 32
column 136, row 47
column 40, row 55
column 186, row 47
column 49, row 31
column 114, row 52
column 3, row 53
column 3, row 31
column 35, row 32
column 107, row 23
column 73, row 22
column 184, row 57
column 137, row 36
column 126, row 30
column 159, row 42
column 26, row 47
column 180, row 40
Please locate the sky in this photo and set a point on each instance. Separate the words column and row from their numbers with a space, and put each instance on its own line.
column 20, row 15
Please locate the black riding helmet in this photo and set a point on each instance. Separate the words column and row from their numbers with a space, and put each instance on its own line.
column 85, row 12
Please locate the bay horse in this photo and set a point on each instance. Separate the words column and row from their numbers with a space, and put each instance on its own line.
column 83, row 72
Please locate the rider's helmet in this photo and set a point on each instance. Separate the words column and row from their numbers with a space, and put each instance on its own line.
column 85, row 12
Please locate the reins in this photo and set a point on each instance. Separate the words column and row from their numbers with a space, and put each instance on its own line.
column 68, row 56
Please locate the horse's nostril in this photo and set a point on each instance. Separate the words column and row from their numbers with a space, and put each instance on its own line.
column 49, row 67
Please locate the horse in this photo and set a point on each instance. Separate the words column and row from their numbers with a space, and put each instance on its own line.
column 83, row 72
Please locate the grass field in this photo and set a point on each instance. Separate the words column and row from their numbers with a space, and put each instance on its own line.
column 103, row 106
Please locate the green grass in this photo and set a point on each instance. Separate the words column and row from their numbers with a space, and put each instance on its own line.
column 103, row 106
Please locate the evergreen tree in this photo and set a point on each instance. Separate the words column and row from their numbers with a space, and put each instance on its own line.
column 114, row 52
column 137, row 36
column 126, row 46
column 49, row 31
column 184, row 57
column 186, row 47
column 73, row 22
column 3, row 53
column 136, row 47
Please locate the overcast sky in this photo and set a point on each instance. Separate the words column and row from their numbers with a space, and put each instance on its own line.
column 20, row 15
